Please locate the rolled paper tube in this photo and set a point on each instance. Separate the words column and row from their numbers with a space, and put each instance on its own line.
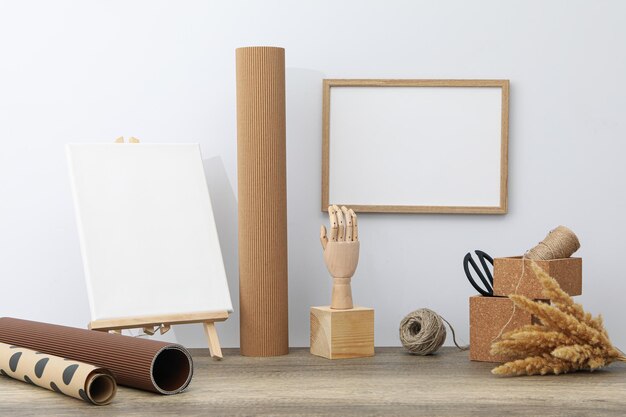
column 154, row 366
column 75, row 379
column 262, row 185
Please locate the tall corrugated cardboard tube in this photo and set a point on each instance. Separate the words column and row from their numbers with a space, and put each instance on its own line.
column 262, row 184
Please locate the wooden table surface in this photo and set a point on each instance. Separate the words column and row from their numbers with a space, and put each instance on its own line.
column 391, row 383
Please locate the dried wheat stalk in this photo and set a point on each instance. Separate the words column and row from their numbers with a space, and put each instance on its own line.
column 568, row 338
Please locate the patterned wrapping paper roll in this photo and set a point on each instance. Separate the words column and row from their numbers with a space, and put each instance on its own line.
column 166, row 368
column 75, row 379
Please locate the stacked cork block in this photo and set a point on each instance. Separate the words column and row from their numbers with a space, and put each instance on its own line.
column 489, row 315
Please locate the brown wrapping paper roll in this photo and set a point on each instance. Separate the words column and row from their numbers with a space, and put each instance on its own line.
column 261, row 169
column 135, row 362
column 76, row 379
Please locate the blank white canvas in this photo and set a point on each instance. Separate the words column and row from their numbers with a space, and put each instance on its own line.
column 415, row 146
column 147, row 233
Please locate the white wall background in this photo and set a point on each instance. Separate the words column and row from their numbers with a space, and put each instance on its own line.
column 85, row 71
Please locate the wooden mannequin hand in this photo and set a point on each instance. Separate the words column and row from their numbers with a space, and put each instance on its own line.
column 341, row 253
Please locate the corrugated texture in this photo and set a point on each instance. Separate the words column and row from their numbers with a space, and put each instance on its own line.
column 261, row 170
column 130, row 359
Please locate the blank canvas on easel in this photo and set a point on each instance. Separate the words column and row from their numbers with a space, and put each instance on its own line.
column 148, row 237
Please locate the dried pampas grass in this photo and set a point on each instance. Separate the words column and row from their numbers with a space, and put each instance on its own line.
column 567, row 339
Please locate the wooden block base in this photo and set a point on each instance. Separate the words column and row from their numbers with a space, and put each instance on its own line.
column 342, row 334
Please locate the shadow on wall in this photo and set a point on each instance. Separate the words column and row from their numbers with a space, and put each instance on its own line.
column 309, row 284
column 225, row 213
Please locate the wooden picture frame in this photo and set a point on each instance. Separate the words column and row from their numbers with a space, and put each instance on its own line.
column 480, row 108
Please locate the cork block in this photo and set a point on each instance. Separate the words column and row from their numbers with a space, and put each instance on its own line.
column 568, row 272
column 342, row 334
column 488, row 315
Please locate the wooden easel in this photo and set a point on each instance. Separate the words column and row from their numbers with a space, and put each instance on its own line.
column 164, row 322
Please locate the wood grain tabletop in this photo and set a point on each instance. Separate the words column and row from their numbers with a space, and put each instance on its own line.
column 391, row 383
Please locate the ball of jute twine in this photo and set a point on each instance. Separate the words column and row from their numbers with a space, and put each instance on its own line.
column 422, row 332
column 559, row 243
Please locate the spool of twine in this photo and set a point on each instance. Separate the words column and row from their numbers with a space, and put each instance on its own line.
column 559, row 243
column 422, row 332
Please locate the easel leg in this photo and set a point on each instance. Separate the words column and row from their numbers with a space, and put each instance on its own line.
column 214, row 342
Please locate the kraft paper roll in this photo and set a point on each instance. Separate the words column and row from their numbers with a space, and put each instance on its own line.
column 261, row 170
column 154, row 366
column 76, row 379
